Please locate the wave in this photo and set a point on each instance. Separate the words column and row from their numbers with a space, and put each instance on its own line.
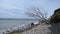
column 18, row 27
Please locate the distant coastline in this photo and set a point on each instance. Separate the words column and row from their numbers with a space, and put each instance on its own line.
column 16, row 19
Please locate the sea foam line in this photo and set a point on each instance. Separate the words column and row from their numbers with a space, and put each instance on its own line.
column 18, row 28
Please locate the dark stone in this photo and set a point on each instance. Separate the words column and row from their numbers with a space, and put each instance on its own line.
column 32, row 24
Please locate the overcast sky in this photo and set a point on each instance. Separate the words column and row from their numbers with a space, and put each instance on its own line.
column 16, row 8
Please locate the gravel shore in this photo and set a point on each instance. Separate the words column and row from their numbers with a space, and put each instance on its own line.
column 40, row 29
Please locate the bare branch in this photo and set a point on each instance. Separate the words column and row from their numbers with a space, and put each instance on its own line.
column 36, row 13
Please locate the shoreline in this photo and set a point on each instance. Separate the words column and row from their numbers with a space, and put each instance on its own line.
column 22, row 28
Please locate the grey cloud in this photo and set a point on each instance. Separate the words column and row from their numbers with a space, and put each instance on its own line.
column 16, row 8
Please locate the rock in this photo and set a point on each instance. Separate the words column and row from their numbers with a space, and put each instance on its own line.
column 55, row 18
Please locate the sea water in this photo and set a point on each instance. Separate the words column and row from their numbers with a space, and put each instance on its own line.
column 6, row 23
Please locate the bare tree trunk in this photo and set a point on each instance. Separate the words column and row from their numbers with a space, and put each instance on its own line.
column 36, row 13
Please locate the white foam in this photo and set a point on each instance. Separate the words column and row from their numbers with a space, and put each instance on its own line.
column 36, row 23
column 22, row 27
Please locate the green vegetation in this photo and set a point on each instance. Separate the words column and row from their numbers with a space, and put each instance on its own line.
column 15, row 33
column 55, row 18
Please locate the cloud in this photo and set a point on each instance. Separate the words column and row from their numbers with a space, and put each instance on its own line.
column 16, row 8
column 10, row 8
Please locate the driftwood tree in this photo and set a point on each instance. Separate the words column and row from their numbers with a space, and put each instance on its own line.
column 37, row 13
